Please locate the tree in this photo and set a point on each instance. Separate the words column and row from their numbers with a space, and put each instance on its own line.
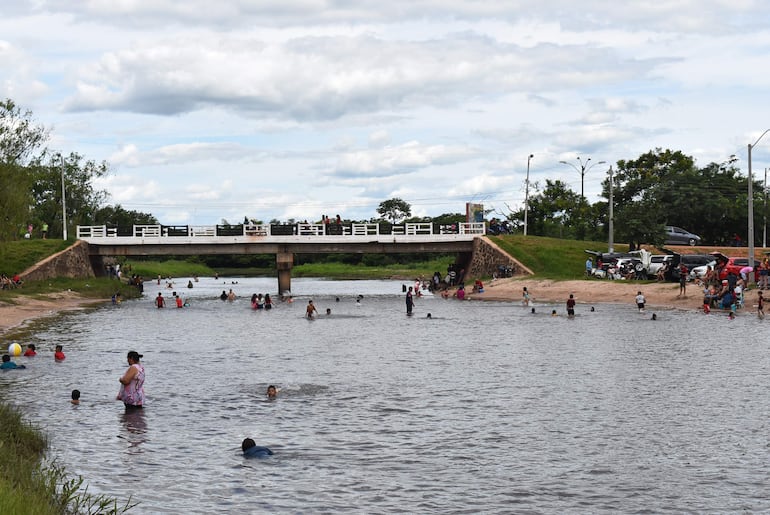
column 555, row 211
column 116, row 216
column 15, row 200
column 394, row 210
column 82, row 199
column 20, row 136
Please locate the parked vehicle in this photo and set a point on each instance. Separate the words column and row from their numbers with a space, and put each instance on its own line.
column 657, row 262
column 678, row 236
column 727, row 265
column 690, row 261
column 699, row 272
column 619, row 264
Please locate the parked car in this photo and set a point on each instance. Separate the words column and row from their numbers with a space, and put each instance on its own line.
column 678, row 236
column 657, row 262
column 621, row 263
column 690, row 261
column 727, row 265
column 699, row 272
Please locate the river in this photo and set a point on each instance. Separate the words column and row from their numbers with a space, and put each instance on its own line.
column 484, row 407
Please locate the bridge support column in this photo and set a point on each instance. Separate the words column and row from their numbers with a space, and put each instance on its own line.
column 284, row 262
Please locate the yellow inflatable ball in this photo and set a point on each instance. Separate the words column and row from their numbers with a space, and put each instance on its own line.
column 14, row 349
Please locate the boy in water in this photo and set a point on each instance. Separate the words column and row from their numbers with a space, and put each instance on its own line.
column 75, row 397
column 59, row 356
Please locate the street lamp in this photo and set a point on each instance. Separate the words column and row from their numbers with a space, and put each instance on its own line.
column 526, row 194
column 582, row 171
column 751, row 205
column 63, row 204
column 611, row 242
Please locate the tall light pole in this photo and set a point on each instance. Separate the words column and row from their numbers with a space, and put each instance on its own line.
column 582, row 171
column 611, row 241
column 751, row 205
column 63, row 204
column 526, row 194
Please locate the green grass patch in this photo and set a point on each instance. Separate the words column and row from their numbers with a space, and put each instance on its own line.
column 552, row 258
column 17, row 256
column 171, row 268
column 393, row 271
column 29, row 485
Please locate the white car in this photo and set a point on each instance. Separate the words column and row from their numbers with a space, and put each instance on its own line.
column 698, row 272
column 656, row 263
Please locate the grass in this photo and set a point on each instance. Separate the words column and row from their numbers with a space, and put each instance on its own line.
column 170, row 268
column 17, row 256
column 551, row 258
column 29, row 485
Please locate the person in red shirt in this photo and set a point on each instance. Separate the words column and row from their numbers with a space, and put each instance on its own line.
column 30, row 350
column 571, row 306
column 59, row 354
column 179, row 302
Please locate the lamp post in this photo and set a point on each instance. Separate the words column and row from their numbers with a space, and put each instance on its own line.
column 611, row 240
column 63, row 204
column 526, row 194
column 582, row 171
column 751, row 205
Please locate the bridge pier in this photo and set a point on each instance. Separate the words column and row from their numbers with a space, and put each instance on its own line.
column 284, row 262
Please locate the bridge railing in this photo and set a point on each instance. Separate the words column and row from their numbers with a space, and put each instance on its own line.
column 260, row 230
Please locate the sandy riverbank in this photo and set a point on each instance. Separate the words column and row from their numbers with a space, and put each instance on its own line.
column 23, row 309
column 594, row 291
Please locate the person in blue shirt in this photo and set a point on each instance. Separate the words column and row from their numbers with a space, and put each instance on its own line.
column 252, row 450
column 8, row 364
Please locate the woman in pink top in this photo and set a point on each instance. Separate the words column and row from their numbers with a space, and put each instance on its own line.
column 132, row 383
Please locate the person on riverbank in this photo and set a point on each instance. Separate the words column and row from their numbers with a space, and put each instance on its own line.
column 409, row 301
column 760, row 305
column 310, row 310
column 571, row 306
column 8, row 364
column 252, row 450
column 683, row 272
column 525, row 297
column 58, row 354
column 160, row 302
column 132, row 383
column 640, row 301
column 31, row 350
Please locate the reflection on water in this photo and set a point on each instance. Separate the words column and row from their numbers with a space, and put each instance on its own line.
column 484, row 407
column 134, row 423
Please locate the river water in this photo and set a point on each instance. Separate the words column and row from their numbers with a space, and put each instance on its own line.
column 485, row 407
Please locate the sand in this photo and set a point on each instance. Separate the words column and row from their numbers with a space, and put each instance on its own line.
column 22, row 309
column 593, row 291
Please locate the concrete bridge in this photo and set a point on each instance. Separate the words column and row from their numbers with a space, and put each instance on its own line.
column 283, row 240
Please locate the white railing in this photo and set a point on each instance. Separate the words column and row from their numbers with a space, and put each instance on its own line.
column 300, row 229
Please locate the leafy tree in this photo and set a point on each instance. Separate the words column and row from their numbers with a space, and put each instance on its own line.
column 15, row 200
column 20, row 136
column 555, row 211
column 394, row 210
column 116, row 216
column 664, row 187
column 82, row 200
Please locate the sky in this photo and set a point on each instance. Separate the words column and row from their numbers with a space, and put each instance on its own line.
column 211, row 111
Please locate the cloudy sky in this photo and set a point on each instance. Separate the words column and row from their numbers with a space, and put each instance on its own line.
column 297, row 108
